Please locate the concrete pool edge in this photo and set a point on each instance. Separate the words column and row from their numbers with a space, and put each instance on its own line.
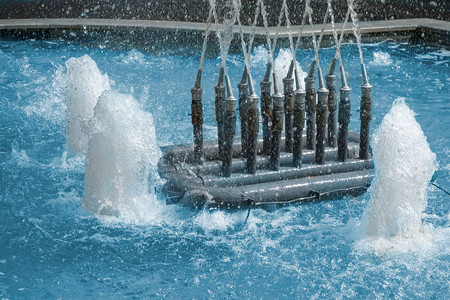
column 415, row 30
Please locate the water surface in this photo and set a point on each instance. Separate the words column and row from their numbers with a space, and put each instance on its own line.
column 50, row 247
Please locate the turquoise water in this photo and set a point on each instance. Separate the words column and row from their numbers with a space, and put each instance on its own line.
column 50, row 247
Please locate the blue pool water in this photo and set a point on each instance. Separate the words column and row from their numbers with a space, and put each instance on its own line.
column 51, row 247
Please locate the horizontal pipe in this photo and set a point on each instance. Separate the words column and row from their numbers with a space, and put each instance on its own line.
column 239, row 165
column 184, row 153
column 191, row 192
column 287, row 173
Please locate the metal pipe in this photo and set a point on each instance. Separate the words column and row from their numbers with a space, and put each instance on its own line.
column 252, row 131
column 344, row 120
column 310, row 109
column 243, row 93
column 197, row 122
column 365, row 120
column 185, row 154
column 277, row 128
column 288, row 83
column 190, row 191
column 220, row 113
column 331, row 79
column 229, row 130
column 299, row 120
column 286, row 173
column 239, row 165
column 322, row 109
column 266, row 111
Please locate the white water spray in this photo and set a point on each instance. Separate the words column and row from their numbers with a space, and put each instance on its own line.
column 282, row 63
column 404, row 166
column 85, row 83
column 122, row 154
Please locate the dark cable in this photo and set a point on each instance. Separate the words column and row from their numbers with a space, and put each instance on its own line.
column 440, row 188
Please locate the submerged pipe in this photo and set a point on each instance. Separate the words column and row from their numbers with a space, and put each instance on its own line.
column 365, row 120
column 322, row 109
column 197, row 120
column 220, row 113
column 299, row 119
column 266, row 110
column 277, row 128
column 229, row 130
column 310, row 109
column 288, row 83
column 331, row 79
column 243, row 93
column 344, row 120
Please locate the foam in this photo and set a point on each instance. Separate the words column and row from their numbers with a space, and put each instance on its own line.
column 85, row 83
column 121, row 159
column 381, row 59
column 404, row 166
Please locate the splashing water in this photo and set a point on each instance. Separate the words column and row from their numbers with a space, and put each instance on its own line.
column 86, row 83
column 404, row 166
column 122, row 154
column 381, row 59
column 225, row 35
column 282, row 63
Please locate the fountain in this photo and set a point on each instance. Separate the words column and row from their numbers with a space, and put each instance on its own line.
column 79, row 214
column 404, row 166
column 118, row 137
column 280, row 170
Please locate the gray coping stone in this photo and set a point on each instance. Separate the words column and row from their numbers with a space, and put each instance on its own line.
column 365, row 27
column 135, row 33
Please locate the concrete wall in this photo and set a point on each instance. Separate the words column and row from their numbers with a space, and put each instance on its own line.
column 197, row 10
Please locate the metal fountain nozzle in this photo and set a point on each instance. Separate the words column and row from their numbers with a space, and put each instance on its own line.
column 277, row 128
column 364, row 74
column 251, row 89
column 322, row 109
column 197, row 120
column 220, row 82
column 198, row 81
column 344, row 121
column 297, row 80
column 291, row 70
column 365, row 120
column 299, row 119
column 267, row 75
column 228, row 86
column 252, row 128
column 244, row 76
column 332, row 66
column 229, row 129
column 311, row 71
column 243, row 94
